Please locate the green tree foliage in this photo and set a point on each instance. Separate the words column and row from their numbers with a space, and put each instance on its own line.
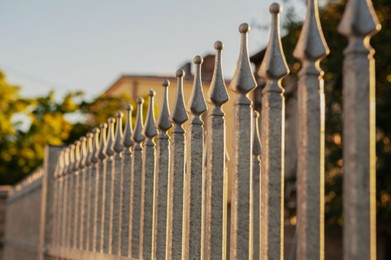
column 27, row 125
column 330, row 16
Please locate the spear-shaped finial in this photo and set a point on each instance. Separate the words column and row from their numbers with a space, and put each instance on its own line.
column 359, row 19
column 137, row 134
column 179, row 116
column 218, row 94
column 95, row 145
column 257, row 139
column 243, row 80
column 311, row 44
column 109, row 149
column 90, row 138
column 197, row 102
column 164, row 122
column 76, row 152
column 118, row 147
column 83, row 152
column 103, row 141
column 70, row 159
column 60, row 164
column 274, row 66
column 127, row 138
column 150, row 127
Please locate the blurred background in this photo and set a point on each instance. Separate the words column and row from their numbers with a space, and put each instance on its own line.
column 65, row 66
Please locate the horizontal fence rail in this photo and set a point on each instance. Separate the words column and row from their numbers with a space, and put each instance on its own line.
column 159, row 190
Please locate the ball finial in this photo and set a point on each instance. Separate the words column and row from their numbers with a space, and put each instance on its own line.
column 275, row 8
column 152, row 93
column 244, row 28
column 166, row 83
column 140, row 101
column 198, row 60
column 119, row 114
column 129, row 107
column 111, row 120
column 103, row 125
column 180, row 73
column 219, row 45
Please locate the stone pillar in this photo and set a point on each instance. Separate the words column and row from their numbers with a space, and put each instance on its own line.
column 50, row 162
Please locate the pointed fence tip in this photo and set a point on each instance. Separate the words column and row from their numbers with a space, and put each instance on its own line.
column 197, row 102
column 311, row 44
column 217, row 93
column 103, row 140
column 164, row 122
column 179, row 116
column 137, row 134
column 150, row 125
column 274, row 66
column 127, row 136
column 359, row 19
column 95, row 145
column 243, row 80
column 118, row 147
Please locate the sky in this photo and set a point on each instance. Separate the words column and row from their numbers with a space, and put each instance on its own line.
column 69, row 45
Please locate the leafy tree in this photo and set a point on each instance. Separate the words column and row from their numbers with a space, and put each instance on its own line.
column 27, row 125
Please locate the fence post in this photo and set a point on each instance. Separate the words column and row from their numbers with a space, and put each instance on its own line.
column 109, row 185
column 100, row 175
column 358, row 24
column 50, row 162
column 136, row 181
column 148, row 175
column 256, row 185
column 214, row 222
column 241, row 200
column 94, row 184
column 161, row 180
column 193, row 179
column 117, row 186
column 126, row 184
column 87, row 192
column 176, row 176
column 311, row 48
column 81, row 192
column 75, row 197
column 272, row 70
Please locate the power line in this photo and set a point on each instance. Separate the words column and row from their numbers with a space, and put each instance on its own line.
column 33, row 78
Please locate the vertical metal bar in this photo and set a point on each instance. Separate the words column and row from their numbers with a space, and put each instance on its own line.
column 358, row 24
column 117, row 186
column 149, row 168
column 161, row 180
column 214, row 222
column 109, row 185
column 94, row 190
column 126, row 183
column 176, row 176
column 193, row 185
column 101, row 173
column 272, row 70
column 136, row 181
column 88, row 191
column 311, row 48
column 81, row 192
column 241, row 200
